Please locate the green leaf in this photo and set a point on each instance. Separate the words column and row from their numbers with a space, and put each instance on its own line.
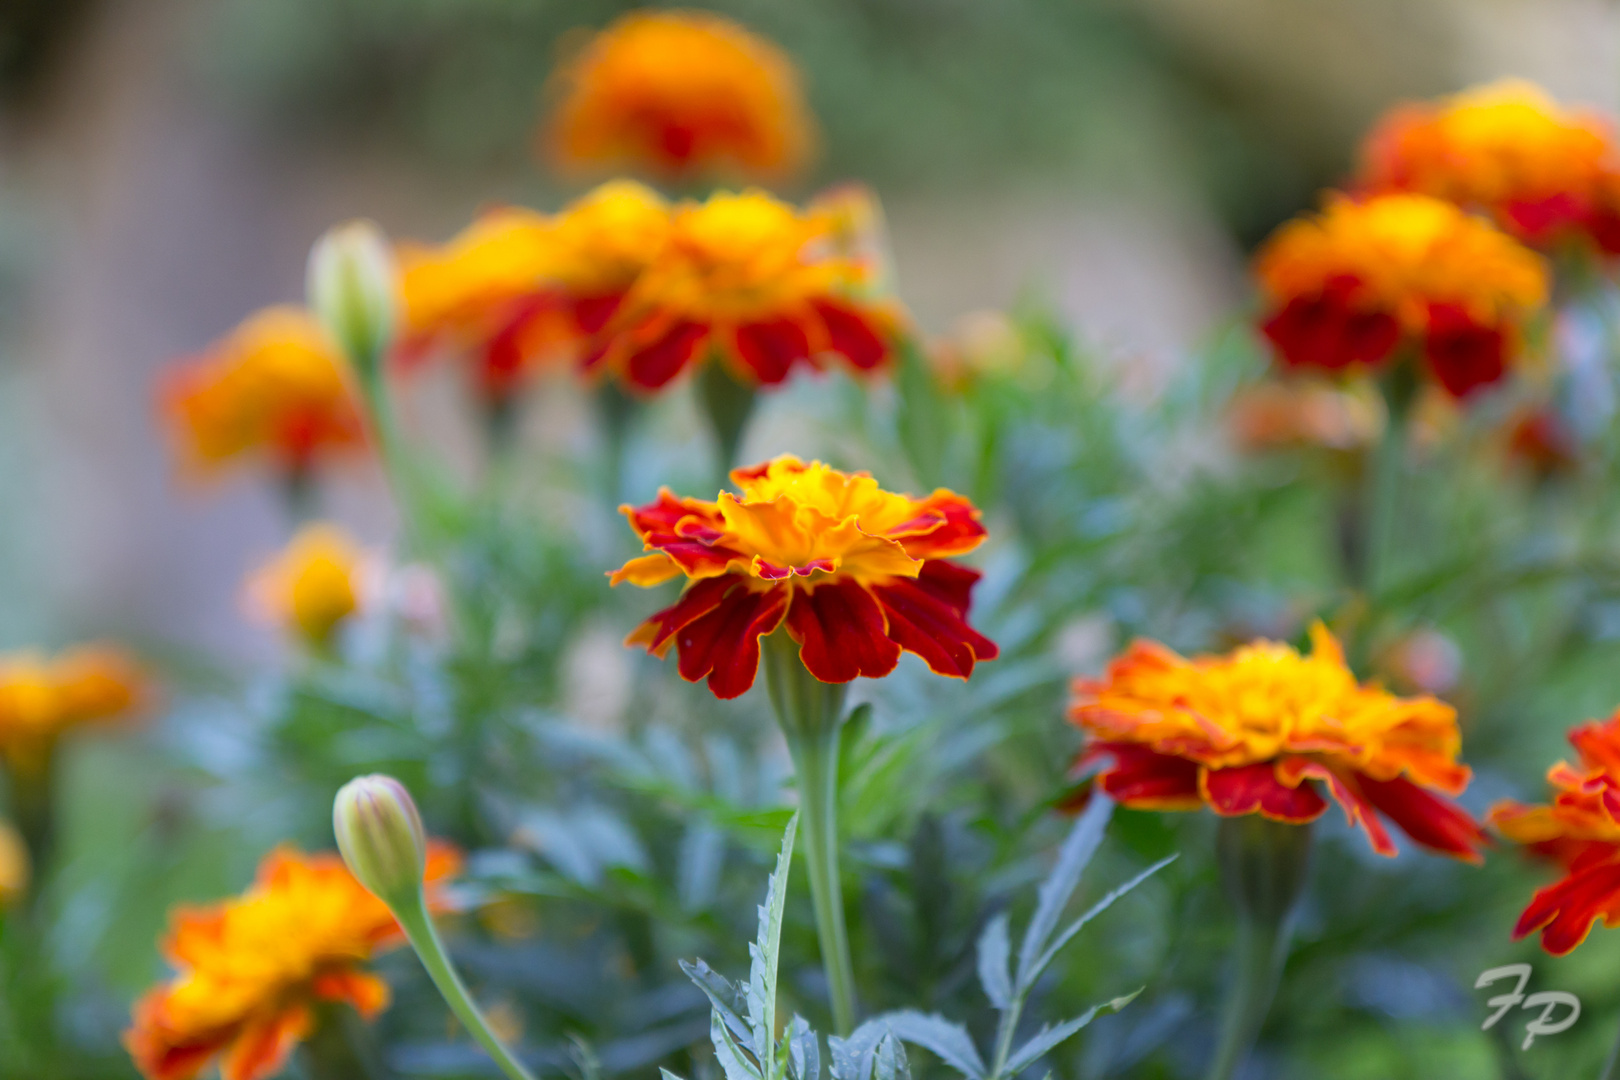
column 804, row 1051
column 890, row 1062
column 1051, row 1035
column 765, row 954
column 1060, row 884
column 949, row 1042
column 1095, row 910
column 722, row 994
column 995, row 958
column 733, row 1062
column 852, row 1058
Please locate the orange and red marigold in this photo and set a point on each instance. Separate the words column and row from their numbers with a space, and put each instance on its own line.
column 1547, row 174
column 1257, row 730
column 856, row 574
column 676, row 93
column 274, row 388
column 252, row 971
column 1579, row 831
column 42, row 698
column 1349, row 287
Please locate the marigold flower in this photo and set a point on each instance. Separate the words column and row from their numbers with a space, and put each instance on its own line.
column 274, row 388
column 518, row 290
column 857, row 574
column 250, row 971
column 1579, row 831
column 15, row 869
column 1300, row 413
column 41, row 698
column 1252, row 731
column 676, row 93
column 1545, row 173
column 1346, row 287
column 313, row 585
column 766, row 287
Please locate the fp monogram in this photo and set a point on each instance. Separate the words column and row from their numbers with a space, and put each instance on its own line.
column 1548, row 1001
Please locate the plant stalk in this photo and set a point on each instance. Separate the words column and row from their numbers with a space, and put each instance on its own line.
column 1611, row 1067
column 811, row 714
column 728, row 402
column 424, row 938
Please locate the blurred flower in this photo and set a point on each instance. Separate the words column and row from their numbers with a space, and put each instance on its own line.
column 42, row 698
column 353, row 288
column 250, row 971
column 1250, row 731
column 317, row 582
column 1302, row 412
column 518, row 291
column 1425, row 660
column 380, row 835
column 14, row 866
column 982, row 343
column 1539, row 438
column 1346, row 287
column 764, row 286
column 1548, row 175
column 678, row 93
column 1580, row 832
column 274, row 388
column 856, row 573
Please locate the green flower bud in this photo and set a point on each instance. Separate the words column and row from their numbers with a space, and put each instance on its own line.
column 380, row 835
column 353, row 289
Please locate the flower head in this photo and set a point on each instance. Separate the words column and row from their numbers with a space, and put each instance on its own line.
column 857, row 574
column 41, row 697
column 353, row 289
column 1255, row 731
column 767, row 288
column 15, row 869
column 313, row 585
column 676, row 93
column 251, row 970
column 518, row 290
column 1579, row 831
column 1305, row 413
column 274, row 389
column 1346, row 287
column 1546, row 174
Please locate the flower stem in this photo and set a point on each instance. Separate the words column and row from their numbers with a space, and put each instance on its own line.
column 811, row 715
column 1611, row 1067
column 1259, row 954
column 728, row 402
column 424, row 938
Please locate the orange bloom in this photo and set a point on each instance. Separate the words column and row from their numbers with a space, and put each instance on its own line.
column 42, row 698
column 766, row 287
column 1546, row 174
column 251, row 970
column 518, row 290
column 676, row 93
column 1580, row 832
column 1295, row 413
column 275, row 388
column 856, row 573
column 1346, row 287
column 313, row 585
column 1255, row 730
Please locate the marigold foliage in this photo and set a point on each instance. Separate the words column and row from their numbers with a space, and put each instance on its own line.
column 250, row 971
column 1254, row 730
column 856, row 574
column 676, row 93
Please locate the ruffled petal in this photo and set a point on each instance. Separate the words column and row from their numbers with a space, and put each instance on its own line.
column 926, row 616
column 1428, row 819
column 1463, row 355
column 852, row 335
column 657, row 634
column 1249, row 789
column 1142, row 779
column 1347, row 793
column 1565, row 911
column 1328, row 331
column 653, row 365
column 723, row 643
column 262, row 1049
column 368, row 994
column 771, row 348
column 840, row 628
column 161, row 1054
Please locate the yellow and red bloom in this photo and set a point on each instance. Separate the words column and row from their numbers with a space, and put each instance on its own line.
column 42, row 698
column 855, row 573
column 1579, row 831
column 518, row 290
column 275, row 388
column 765, row 287
column 251, row 971
column 1547, row 174
column 315, row 583
column 1256, row 730
column 677, row 93
column 1348, row 287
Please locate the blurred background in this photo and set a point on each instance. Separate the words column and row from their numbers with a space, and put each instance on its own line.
column 164, row 165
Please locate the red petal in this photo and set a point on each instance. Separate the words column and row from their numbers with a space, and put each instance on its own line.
column 591, row 313
column 699, row 599
column 1463, row 355
column 770, row 349
column 1145, row 779
column 365, row 992
column 840, row 629
column 651, row 366
column 851, row 335
column 724, row 643
column 1247, row 789
column 926, row 616
column 1347, row 793
column 262, row 1049
column 1565, row 910
column 1328, row 331
column 1428, row 819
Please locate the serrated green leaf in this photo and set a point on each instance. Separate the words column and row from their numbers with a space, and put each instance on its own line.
column 1095, row 910
column 1053, row 1034
column 995, row 959
column 949, row 1042
column 762, row 972
column 1060, row 884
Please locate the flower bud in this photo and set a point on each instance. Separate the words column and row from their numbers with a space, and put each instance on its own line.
column 353, row 289
column 380, row 835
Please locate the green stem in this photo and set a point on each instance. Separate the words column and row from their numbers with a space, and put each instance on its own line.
column 33, row 809
column 338, row 1048
column 1611, row 1067
column 1005, row 1031
column 810, row 713
column 1379, row 503
column 424, row 938
column 728, row 402
column 1260, row 952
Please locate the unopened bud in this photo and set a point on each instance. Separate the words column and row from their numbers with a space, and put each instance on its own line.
column 380, row 835
column 353, row 289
